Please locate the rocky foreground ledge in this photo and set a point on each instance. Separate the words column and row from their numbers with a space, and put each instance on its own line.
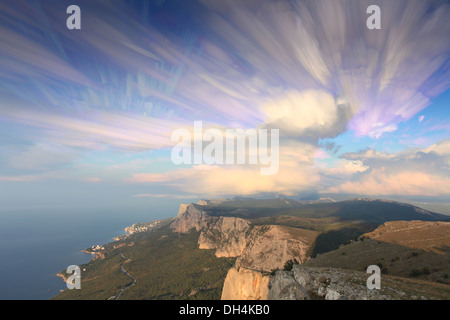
column 305, row 283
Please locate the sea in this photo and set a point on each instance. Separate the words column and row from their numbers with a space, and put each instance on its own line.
column 37, row 243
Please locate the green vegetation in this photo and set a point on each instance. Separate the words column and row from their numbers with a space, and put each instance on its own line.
column 402, row 261
column 290, row 264
column 166, row 265
column 417, row 273
column 100, row 280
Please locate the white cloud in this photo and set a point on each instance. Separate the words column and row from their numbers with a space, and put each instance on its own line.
column 310, row 113
column 379, row 128
column 418, row 172
column 295, row 174
column 380, row 182
column 345, row 167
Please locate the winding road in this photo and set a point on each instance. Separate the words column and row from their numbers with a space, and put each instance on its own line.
column 129, row 275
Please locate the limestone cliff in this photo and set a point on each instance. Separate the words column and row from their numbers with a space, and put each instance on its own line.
column 228, row 235
column 262, row 248
column 190, row 217
column 244, row 284
column 225, row 234
column 270, row 246
column 304, row 283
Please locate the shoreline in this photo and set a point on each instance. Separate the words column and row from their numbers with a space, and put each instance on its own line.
column 95, row 255
column 61, row 275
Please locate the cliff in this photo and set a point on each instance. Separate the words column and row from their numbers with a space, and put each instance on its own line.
column 228, row 235
column 244, row 284
column 190, row 217
column 305, row 283
column 270, row 246
column 262, row 248
column 259, row 249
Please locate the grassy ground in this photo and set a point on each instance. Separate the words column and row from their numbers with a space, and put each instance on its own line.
column 392, row 258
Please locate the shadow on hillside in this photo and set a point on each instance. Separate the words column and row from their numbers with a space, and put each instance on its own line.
column 333, row 239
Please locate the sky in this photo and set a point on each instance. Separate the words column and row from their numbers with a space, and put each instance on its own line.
column 87, row 116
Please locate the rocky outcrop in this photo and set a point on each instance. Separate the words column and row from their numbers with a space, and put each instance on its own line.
column 244, row 284
column 190, row 217
column 261, row 248
column 182, row 209
column 304, row 283
column 270, row 246
column 331, row 284
column 228, row 235
column 284, row 287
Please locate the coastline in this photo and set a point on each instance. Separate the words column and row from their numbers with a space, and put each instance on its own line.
column 64, row 278
column 61, row 275
column 135, row 228
column 94, row 254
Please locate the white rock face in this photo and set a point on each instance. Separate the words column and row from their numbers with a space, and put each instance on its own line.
column 182, row 209
column 190, row 217
column 262, row 249
column 334, row 284
column 270, row 246
column 227, row 235
column 283, row 288
column 303, row 283
column 258, row 247
column 244, row 284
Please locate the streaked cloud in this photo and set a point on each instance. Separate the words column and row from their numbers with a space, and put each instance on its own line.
column 410, row 183
column 422, row 171
column 312, row 69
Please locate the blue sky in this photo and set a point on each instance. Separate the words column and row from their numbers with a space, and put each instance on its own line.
column 87, row 115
